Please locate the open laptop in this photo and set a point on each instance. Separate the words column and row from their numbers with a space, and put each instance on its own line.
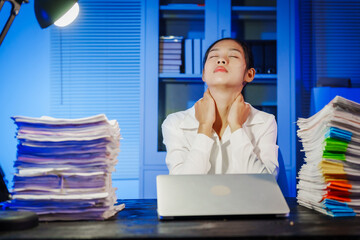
column 219, row 195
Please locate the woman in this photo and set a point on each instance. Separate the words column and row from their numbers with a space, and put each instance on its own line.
column 221, row 133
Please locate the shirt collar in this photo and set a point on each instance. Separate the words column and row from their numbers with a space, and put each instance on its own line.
column 190, row 122
column 254, row 117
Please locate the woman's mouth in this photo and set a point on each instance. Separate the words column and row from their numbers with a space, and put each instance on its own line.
column 220, row 69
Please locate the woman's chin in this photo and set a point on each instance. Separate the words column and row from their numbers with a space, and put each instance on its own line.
column 225, row 85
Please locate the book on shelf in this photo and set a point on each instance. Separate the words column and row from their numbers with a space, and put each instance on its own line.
column 170, row 45
column 270, row 57
column 169, row 51
column 257, row 50
column 264, row 53
column 203, row 51
column 171, row 39
column 170, row 42
column 192, row 55
column 197, row 55
column 169, row 71
column 170, row 62
column 170, row 56
column 188, row 55
column 169, row 68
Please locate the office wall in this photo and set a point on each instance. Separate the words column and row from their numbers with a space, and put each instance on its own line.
column 24, row 77
column 329, row 46
column 96, row 68
column 99, row 57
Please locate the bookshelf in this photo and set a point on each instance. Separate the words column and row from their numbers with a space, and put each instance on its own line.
column 254, row 21
column 179, row 91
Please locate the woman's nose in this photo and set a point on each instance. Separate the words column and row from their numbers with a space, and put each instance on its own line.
column 221, row 61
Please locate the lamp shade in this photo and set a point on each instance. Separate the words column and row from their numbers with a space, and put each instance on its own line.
column 49, row 11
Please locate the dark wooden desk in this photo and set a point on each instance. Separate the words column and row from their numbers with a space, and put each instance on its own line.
column 139, row 220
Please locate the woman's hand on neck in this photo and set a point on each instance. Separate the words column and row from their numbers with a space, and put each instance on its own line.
column 205, row 113
column 224, row 99
column 238, row 113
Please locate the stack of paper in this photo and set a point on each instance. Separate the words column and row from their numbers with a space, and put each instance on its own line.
column 64, row 167
column 329, row 181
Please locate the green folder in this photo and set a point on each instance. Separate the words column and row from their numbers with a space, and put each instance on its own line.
column 335, row 145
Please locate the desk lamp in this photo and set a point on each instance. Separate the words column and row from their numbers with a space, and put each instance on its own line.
column 47, row 12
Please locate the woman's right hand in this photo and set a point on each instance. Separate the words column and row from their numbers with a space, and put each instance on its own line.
column 238, row 113
column 205, row 113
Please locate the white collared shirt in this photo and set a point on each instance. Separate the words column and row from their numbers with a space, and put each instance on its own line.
column 250, row 149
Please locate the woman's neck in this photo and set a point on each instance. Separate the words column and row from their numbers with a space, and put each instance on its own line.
column 223, row 101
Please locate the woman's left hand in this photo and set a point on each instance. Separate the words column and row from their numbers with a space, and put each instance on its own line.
column 238, row 113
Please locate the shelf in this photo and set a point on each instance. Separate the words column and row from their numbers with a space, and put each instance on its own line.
column 265, row 79
column 183, row 75
column 182, row 80
column 182, row 7
column 254, row 13
column 253, row 9
column 179, row 75
column 266, row 76
column 182, row 15
column 197, row 78
column 182, row 11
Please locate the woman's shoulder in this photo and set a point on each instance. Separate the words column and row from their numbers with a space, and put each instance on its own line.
column 258, row 116
column 178, row 118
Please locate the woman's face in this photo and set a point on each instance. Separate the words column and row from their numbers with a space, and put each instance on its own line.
column 225, row 65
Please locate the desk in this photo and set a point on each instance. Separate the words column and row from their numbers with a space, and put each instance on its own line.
column 139, row 220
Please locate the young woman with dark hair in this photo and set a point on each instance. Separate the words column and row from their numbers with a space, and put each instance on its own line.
column 221, row 133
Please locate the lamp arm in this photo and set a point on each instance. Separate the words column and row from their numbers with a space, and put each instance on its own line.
column 16, row 4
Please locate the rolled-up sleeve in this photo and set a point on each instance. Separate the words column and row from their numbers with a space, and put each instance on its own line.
column 181, row 157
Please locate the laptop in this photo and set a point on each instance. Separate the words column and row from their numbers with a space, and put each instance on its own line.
column 219, row 195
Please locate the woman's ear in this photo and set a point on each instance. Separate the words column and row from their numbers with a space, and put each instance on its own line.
column 249, row 75
column 203, row 74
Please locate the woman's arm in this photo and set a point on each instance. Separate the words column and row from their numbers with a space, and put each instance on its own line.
column 262, row 157
column 246, row 157
column 190, row 156
column 184, row 157
column 205, row 114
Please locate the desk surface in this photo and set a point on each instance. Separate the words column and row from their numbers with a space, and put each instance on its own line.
column 139, row 220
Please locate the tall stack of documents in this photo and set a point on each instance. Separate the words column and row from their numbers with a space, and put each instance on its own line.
column 64, row 167
column 329, row 181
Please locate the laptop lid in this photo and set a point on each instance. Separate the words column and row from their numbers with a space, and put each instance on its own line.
column 219, row 195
